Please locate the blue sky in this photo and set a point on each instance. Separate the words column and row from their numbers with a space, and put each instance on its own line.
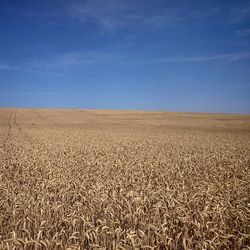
column 126, row 54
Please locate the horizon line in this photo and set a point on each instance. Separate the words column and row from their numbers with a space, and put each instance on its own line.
column 119, row 109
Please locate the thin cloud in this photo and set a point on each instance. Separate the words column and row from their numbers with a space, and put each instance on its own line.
column 81, row 58
column 243, row 32
column 47, row 65
column 239, row 14
column 26, row 69
column 76, row 58
column 232, row 57
column 112, row 57
column 39, row 72
column 112, row 14
column 4, row 66
column 29, row 93
column 107, row 14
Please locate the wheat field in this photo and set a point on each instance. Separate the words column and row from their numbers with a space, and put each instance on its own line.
column 92, row 179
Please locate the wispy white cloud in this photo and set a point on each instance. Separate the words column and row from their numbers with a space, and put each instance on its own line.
column 243, row 32
column 47, row 65
column 239, row 14
column 227, row 58
column 114, row 14
column 43, row 72
column 29, row 93
column 75, row 58
column 4, row 66
column 110, row 15
column 28, row 68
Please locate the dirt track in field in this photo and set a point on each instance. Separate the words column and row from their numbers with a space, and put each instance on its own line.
column 92, row 179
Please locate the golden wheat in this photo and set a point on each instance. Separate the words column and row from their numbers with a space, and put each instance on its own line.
column 74, row 179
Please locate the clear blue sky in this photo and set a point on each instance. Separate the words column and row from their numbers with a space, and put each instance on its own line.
column 126, row 54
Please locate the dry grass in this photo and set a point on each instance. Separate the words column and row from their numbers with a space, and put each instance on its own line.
column 72, row 179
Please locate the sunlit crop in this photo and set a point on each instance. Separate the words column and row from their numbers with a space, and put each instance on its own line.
column 72, row 179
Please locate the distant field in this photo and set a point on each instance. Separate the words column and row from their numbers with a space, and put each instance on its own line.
column 91, row 179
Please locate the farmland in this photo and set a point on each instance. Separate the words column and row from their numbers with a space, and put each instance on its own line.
column 92, row 179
